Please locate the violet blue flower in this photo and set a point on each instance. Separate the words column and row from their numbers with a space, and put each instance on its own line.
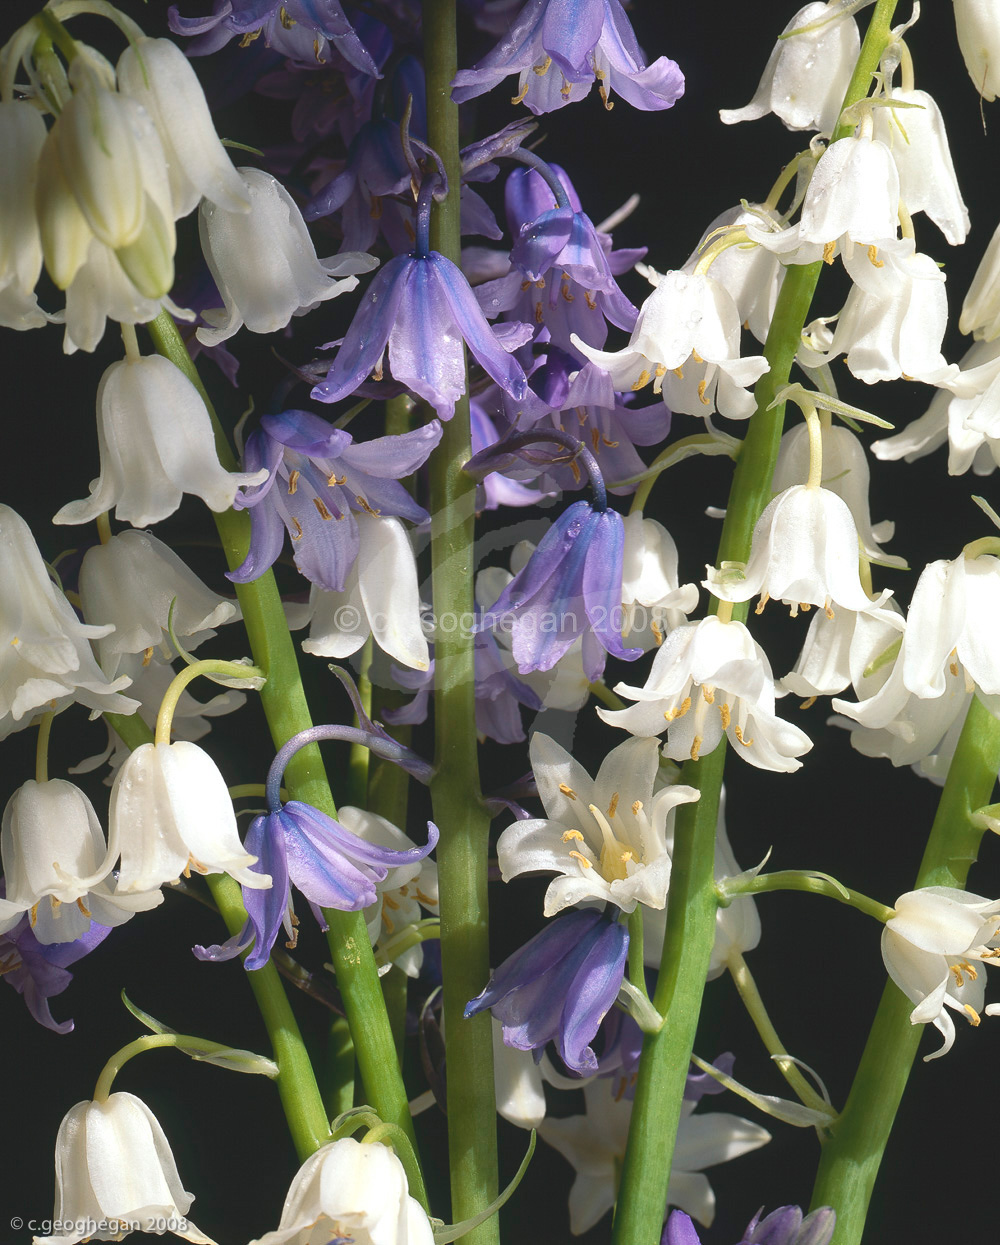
column 559, row 985
column 305, row 31
column 319, row 479
column 559, row 47
column 39, row 972
column 421, row 306
column 784, row 1226
column 333, row 868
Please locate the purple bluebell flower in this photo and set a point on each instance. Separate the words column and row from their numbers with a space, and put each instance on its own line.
column 39, row 972
column 559, row 985
column 319, row 479
column 784, row 1226
column 497, row 489
column 305, row 31
column 560, row 47
column 421, row 306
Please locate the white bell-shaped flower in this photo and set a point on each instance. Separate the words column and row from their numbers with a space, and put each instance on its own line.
column 838, row 650
column 845, row 472
column 981, row 308
column 22, row 136
column 606, row 837
column 170, row 813
column 853, row 194
column 114, row 1166
column 653, row 599
column 935, row 948
column 157, row 74
column 804, row 552
column 285, row 278
column 132, row 581
column 919, row 144
column 381, row 598
column 790, row 87
column 56, row 863
column 351, row 1191
column 518, row 1079
column 45, row 656
column 977, row 24
column 710, row 678
column 687, row 341
column 156, row 443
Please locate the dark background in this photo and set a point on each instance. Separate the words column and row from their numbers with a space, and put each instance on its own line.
column 818, row 965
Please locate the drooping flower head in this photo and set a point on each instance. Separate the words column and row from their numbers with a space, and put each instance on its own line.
column 39, row 971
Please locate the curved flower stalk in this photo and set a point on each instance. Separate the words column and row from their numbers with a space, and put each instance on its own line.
column 559, row 48
column 606, row 837
column 559, row 986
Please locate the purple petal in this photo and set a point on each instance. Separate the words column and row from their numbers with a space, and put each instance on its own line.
column 680, row 1230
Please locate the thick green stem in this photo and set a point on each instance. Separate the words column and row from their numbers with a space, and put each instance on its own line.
column 284, row 702
column 463, row 850
column 851, row 1157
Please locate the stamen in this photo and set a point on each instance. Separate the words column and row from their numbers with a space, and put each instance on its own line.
column 298, row 529
column 387, row 921
column 333, row 479
column 567, row 295
column 388, row 901
column 582, row 859
column 738, row 732
column 613, row 805
column 147, row 656
column 375, row 514
column 323, row 512
column 764, row 598
column 808, row 704
column 702, row 386
column 637, row 809
column 80, row 904
column 696, row 747
column 293, row 481
column 543, row 67
column 519, row 97
column 657, row 631
column 829, row 249
column 726, row 714
column 570, row 836
column 972, row 1014
column 873, row 258
column 425, row 899
column 708, row 692
column 567, row 791
column 679, row 373
column 641, row 381
column 589, row 300
column 612, row 857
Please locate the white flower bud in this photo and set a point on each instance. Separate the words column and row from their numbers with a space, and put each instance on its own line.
column 977, row 23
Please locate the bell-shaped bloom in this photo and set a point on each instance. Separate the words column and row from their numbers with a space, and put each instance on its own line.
column 22, row 136
column 559, row 986
column 39, row 971
column 559, row 48
column 347, row 1191
column 570, row 587
column 981, row 306
column 837, row 651
column 653, row 598
column 422, row 308
column 606, row 838
column 403, row 896
column 56, row 863
column 114, row 1165
column 330, row 865
column 710, row 678
column 156, row 442
column 46, row 657
column 790, row 87
column 931, row 948
column 978, row 29
column 804, row 552
column 319, row 486
column 853, row 194
column 157, row 74
column 784, row 1226
column 170, row 812
column 687, row 342
column 132, row 581
column 286, row 278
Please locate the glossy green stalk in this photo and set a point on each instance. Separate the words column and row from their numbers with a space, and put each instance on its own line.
column 851, row 1157
column 297, row 1088
column 284, row 702
column 690, row 931
column 463, row 850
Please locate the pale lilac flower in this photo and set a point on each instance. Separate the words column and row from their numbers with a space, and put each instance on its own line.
column 39, row 971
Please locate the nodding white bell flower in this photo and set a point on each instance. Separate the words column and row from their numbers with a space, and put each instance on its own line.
column 353, row 1191
column 286, row 278
column 114, row 1165
column 156, row 442
column 918, row 141
column 707, row 678
column 157, row 74
column 650, row 581
column 935, row 948
column 132, row 580
column 687, row 342
column 838, row 650
column 804, row 553
column 57, row 864
column 606, row 837
column 380, row 598
column 845, row 472
column 22, row 136
column 170, row 813
column 790, row 87
column 981, row 308
column 978, row 27
column 45, row 656
column 595, row 1146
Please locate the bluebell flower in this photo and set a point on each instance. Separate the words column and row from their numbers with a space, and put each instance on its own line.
column 333, row 868
column 559, row 986
column 784, row 1226
column 570, row 586
column 559, row 48
column 320, row 478
column 38, row 972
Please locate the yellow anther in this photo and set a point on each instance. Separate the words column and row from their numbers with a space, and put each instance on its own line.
column 425, row 899
column 702, row 386
column 641, row 381
column 657, row 631
column 80, row 904
column 298, row 529
column 697, row 357
column 696, row 747
column 33, row 915
column 520, row 95
column 827, row 610
column 726, row 714
column 738, row 732
column 320, row 60
column 612, row 445
column 570, row 835
column 249, row 37
column 626, row 857
column 595, row 440
column 808, row 704
column 613, row 806
column 582, row 859
column 539, row 313
column 567, row 294
column 575, row 468
column 333, row 479
column 366, row 508
column 661, row 369
column 293, row 481
column 972, row 1014
column 970, row 972
column 708, row 694
column 829, row 250
column 543, row 67
column 147, row 657
column 679, row 373
column 387, row 921
column 764, row 598
column 953, row 667
column 389, row 902
column 637, row 809
column 873, row 258
column 323, row 512
column 590, row 301
column 567, row 791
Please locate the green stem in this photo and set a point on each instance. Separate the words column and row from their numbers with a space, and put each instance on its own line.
column 814, row 884
column 338, row 1079
column 690, row 931
column 636, row 966
column 851, row 1157
column 284, row 702
column 463, row 850
column 357, row 766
